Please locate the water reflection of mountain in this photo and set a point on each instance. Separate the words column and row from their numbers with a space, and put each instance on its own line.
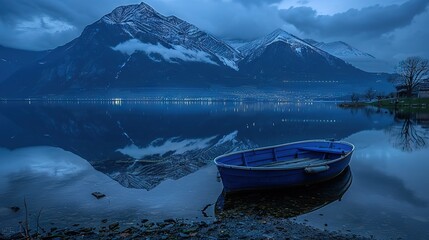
column 284, row 203
column 141, row 145
column 410, row 131
column 173, row 159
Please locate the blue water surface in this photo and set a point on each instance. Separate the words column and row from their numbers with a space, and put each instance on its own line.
column 154, row 160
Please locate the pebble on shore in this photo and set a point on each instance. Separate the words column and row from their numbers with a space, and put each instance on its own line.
column 238, row 227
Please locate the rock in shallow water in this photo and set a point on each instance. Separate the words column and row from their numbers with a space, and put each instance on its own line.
column 14, row 208
column 98, row 195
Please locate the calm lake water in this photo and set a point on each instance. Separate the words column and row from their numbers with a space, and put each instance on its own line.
column 154, row 160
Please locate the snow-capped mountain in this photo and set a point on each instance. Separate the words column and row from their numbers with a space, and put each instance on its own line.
column 255, row 48
column 135, row 47
column 132, row 47
column 341, row 50
column 282, row 56
column 360, row 59
column 183, row 38
column 236, row 43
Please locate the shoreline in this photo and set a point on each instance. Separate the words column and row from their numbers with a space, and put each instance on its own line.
column 406, row 104
column 234, row 227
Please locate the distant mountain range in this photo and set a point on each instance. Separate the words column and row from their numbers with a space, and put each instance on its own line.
column 136, row 47
column 357, row 58
column 13, row 59
column 340, row 49
column 283, row 56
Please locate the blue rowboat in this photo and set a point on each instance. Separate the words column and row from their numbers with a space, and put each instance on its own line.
column 286, row 165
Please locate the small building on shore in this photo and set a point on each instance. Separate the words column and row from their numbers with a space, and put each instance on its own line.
column 422, row 91
column 401, row 91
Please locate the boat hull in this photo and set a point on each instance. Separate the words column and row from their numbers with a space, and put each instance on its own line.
column 251, row 178
column 239, row 180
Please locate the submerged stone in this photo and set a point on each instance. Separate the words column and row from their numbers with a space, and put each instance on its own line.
column 15, row 208
column 98, row 195
column 114, row 226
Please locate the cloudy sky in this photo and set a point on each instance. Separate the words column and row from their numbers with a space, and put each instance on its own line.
column 389, row 30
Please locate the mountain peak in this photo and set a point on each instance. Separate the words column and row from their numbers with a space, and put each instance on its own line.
column 146, row 7
column 279, row 35
column 142, row 24
column 128, row 13
column 136, row 47
column 280, row 31
column 342, row 50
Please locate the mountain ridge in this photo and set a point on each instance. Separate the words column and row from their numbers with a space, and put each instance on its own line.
column 354, row 56
column 134, row 47
column 169, row 28
column 276, row 36
column 341, row 49
column 12, row 59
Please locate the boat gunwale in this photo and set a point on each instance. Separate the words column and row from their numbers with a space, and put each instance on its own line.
column 283, row 167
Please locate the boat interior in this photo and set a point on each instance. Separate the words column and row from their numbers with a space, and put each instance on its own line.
column 285, row 156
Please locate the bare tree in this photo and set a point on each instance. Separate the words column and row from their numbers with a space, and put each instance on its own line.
column 354, row 97
column 411, row 72
column 370, row 94
column 380, row 96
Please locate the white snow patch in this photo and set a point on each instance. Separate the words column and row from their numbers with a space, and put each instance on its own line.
column 126, row 135
column 120, row 68
column 123, row 64
column 168, row 54
column 236, row 44
column 107, row 20
column 228, row 62
column 228, row 138
column 174, row 145
column 128, row 32
column 123, row 131
column 298, row 50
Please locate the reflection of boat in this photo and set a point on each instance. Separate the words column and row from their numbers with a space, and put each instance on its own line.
column 293, row 164
column 288, row 202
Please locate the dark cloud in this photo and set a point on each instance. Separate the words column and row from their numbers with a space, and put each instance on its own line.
column 73, row 12
column 257, row 2
column 368, row 21
column 31, row 24
column 303, row 2
column 388, row 32
column 44, row 24
column 226, row 19
column 400, row 43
